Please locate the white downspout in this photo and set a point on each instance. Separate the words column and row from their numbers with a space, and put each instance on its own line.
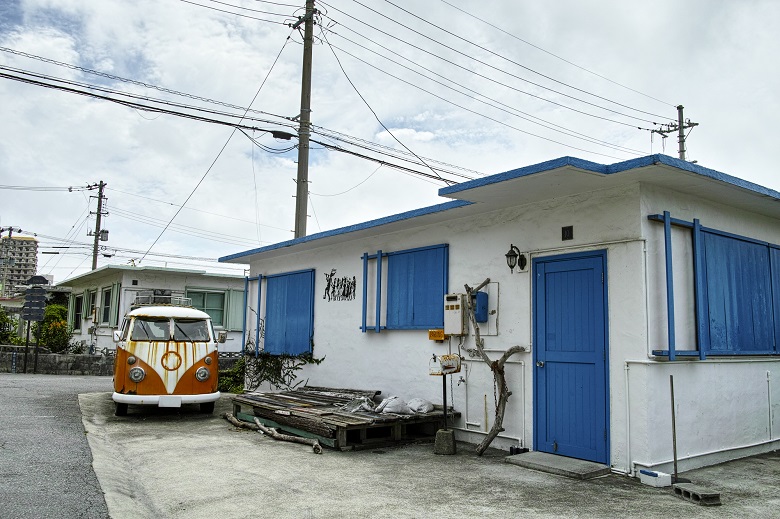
column 629, row 465
column 769, row 399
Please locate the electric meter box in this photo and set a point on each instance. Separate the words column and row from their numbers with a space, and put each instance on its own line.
column 455, row 316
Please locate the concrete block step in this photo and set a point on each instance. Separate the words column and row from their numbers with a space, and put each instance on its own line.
column 698, row 495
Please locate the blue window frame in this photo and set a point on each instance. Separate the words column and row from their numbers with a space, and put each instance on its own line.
column 416, row 284
column 289, row 314
column 737, row 292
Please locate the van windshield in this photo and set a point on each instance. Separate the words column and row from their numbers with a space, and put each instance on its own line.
column 190, row 330
column 151, row 329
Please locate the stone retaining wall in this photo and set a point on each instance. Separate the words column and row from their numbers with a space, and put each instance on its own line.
column 67, row 364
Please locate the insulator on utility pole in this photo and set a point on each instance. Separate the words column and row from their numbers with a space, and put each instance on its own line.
column 680, row 126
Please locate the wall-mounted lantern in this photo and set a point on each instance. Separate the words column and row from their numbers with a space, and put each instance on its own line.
column 514, row 258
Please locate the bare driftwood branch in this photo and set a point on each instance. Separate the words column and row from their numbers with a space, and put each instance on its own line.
column 270, row 431
column 496, row 366
column 238, row 423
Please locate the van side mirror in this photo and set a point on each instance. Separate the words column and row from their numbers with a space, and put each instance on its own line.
column 117, row 335
column 221, row 336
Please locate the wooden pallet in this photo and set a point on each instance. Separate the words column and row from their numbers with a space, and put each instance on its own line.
column 316, row 412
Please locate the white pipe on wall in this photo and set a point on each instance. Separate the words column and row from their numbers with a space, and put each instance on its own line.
column 769, row 399
column 693, row 456
column 628, row 420
column 521, row 440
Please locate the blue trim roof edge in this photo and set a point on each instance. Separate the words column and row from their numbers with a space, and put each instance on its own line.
column 610, row 169
column 525, row 171
column 446, row 206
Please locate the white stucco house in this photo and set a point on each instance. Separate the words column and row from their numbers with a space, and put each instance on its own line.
column 100, row 298
column 634, row 271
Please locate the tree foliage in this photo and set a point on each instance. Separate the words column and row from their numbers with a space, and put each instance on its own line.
column 7, row 328
column 55, row 334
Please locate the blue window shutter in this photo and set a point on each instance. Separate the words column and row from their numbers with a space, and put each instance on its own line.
column 428, row 304
column 739, row 296
column 300, row 301
column 275, row 314
column 415, row 288
column 400, row 286
column 289, row 313
column 774, row 265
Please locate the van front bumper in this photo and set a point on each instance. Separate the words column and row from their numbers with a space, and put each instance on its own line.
column 165, row 400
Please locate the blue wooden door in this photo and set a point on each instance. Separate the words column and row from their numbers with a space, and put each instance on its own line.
column 570, row 352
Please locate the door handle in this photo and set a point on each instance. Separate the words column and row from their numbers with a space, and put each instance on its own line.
column 539, row 363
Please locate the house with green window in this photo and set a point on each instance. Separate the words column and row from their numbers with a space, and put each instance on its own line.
column 100, row 298
column 613, row 279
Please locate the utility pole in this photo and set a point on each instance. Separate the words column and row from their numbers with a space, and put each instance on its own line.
column 304, row 129
column 99, row 234
column 680, row 126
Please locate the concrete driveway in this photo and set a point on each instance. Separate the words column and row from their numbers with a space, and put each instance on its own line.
column 179, row 463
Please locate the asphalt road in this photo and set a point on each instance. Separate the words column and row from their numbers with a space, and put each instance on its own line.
column 45, row 461
column 181, row 463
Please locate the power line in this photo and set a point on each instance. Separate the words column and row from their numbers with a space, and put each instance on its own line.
column 197, row 210
column 155, row 109
column 487, row 78
column 286, row 40
column 394, row 152
column 238, row 14
column 43, row 188
column 70, row 243
column 375, row 115
column 252, row 10
column 130, row 104
column 513, row 111
column 140, row 106
column 486, row 64
column 333, row 147
column 137, row 83
column 481, row 114
column 353, row 187
column 350, row 139
column 493, row 53
column 183, row 229
column 554, row 55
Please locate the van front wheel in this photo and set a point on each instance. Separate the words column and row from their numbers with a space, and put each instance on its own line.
column 207, row 407
column 121, row 409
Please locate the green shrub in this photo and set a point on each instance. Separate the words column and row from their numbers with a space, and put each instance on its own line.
column 232, row 380
column 7, row 328
column 55, row 334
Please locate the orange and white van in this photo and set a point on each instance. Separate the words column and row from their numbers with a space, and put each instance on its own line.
column 166, row 356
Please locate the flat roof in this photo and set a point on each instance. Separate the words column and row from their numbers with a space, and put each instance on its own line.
column 107, row 269
column 556, row 178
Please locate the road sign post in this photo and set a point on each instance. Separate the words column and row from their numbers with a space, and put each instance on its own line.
column 33, row 310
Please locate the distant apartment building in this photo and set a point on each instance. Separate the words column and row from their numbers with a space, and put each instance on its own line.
column 18, row 262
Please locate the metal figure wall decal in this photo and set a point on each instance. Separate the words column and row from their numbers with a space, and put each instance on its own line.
column 339, row 289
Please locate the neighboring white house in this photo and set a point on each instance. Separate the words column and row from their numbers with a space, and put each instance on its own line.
column 634, row 271
column 100, row 298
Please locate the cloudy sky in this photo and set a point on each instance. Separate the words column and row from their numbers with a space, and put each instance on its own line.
column 472, row 88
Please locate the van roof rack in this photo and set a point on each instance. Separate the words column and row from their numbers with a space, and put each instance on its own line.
column 156, row 298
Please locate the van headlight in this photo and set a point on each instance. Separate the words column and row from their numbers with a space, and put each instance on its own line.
column 136, row 374
column 202, row 374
